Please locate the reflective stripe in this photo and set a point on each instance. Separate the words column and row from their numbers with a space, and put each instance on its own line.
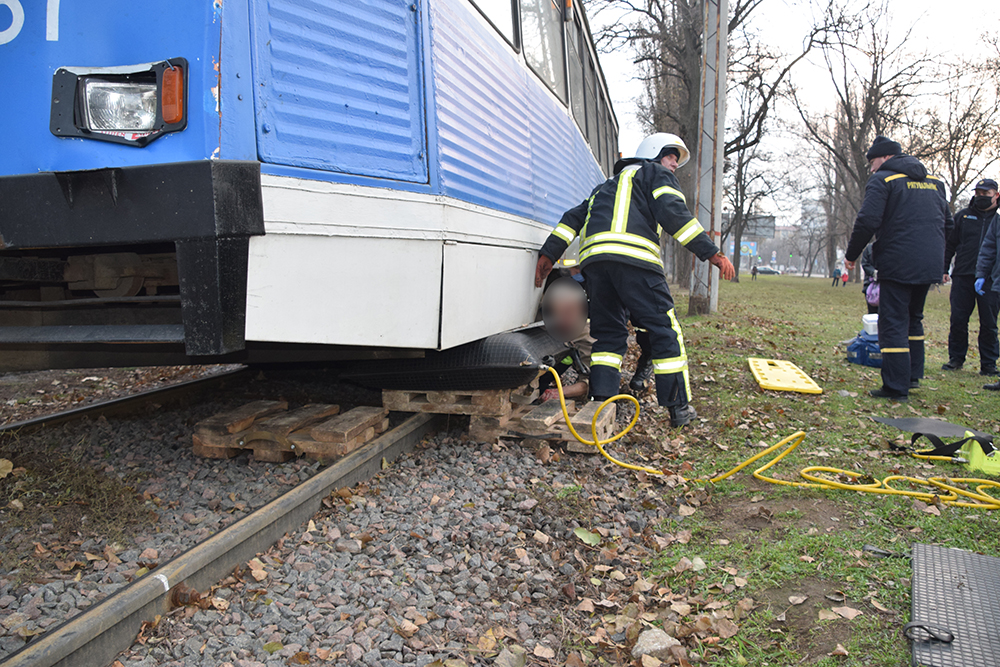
column 892, row 178
column 917, row 337
column 604, row 237
column 689, row 231
column 676, row 326
column 565, row 232
column 606, row 359
column 623, row 199
column 887, row 350
column 667, row 190
column 583, row 230
column 617, row 249
column 671, row 365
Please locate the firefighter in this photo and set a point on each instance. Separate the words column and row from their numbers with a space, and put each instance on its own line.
column 907, row 210
column 988, row 272
column 619, row 227
column 963, row 244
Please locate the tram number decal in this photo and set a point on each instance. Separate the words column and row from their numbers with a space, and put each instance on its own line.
column 17, row 20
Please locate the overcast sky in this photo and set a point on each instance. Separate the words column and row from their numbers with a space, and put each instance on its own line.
column 951, row 29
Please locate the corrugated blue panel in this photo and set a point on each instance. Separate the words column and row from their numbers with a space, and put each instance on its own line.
column 102, row 33
column 504, row 142
column 338, row 86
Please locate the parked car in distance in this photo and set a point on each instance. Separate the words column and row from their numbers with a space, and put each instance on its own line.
column 768, row 271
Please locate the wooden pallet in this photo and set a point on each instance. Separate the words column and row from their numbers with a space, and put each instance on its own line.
column 276, row 435
column 546, row 422
column 480, row 403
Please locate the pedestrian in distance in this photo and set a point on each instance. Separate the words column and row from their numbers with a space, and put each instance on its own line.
column 836, row 277
column 619, row 227
column 963, row 244
column 988, row 271
column 843, row 278
column 753, row 273
column 907, row 211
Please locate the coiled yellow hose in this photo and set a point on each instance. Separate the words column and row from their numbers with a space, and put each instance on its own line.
column 940, row 489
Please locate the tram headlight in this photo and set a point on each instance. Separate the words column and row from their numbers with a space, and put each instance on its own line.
column 124, row 106
column 130, row 105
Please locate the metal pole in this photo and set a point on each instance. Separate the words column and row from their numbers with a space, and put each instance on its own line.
column 711, row 144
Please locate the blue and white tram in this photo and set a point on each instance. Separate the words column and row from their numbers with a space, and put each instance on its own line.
column 260, row 179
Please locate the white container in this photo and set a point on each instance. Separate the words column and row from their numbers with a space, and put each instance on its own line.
column 870, row 323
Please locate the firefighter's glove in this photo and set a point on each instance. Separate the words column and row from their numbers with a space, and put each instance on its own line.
column 979, row 286
column 542, row 270
column 725, row 267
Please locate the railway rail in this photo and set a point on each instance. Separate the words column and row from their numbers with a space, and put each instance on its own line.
column 97, row 635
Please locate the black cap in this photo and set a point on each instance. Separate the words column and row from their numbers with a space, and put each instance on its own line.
column 987, row 184
column 883, row 146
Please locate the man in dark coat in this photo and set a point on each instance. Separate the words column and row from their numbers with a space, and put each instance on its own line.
column 988, row 271
column 963, row 244
column 907, row 211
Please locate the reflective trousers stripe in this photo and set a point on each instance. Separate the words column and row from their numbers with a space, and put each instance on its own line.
column 890, row 350
column 917, row 337
column 672, row 365
column 606, row 359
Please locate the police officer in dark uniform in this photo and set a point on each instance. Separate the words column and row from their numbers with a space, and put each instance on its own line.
column 963, row 244
column 908, row 212
column 619, row 227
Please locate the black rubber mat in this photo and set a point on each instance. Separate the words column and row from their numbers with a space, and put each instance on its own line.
column 503, row 361
column 958, row 592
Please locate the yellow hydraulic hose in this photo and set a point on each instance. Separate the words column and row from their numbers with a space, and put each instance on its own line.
column 940, row 489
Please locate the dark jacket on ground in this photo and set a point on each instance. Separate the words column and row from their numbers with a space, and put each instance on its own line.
column 964, row 241
column 908, row 212
column 622, row 219
column 988, row 265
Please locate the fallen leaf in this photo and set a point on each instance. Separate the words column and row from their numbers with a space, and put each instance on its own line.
column 806, row 559
column 487, row 642
column 840, row 650
column 587, row 605
column 780, row 618
column 16, row 505
column 797, row 599
column 827, row 615
column 683, row 565
column 273, row 647
column 311, row 526
column 406, row 629
column 836, row 596
column 726, row 628
column 684, row 536
column 650, row 661
column 574, row 660
column 323, row 653
column 300, row 658
column 642, row 585
column 681, row 608
column 544, row 652
column 5, row 468
column 697, row 564
column 587, row 537
column 541, row 537
column 847, row 612
column 740, row 582
column 686, row 510
column 220, row 604
column 881, row 607
column 91, row 556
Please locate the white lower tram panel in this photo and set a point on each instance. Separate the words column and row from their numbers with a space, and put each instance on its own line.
column 360, row 266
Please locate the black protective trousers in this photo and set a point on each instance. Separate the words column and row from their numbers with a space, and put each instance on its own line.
column 621, row 291
column 901, row 334
column 963, row 301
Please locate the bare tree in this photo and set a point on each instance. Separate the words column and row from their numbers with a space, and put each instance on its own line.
column 875, row 82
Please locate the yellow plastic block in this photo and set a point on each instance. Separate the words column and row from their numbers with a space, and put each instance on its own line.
column 779, row 375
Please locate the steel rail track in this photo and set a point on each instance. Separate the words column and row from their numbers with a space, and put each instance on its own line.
column 125, row 404
column 94, row 637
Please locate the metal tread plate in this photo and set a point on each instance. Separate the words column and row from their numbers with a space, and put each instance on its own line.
column 959, row 591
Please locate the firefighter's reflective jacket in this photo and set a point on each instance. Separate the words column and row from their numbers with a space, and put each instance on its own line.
column 624, row 216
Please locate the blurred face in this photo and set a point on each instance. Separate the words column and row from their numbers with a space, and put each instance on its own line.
column 564, row 309
column 670, row 162
column 877, row 162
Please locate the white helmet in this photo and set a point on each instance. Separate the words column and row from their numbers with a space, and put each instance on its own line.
column 651, row 146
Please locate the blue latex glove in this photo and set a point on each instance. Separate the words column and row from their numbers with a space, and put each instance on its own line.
column 979, row 286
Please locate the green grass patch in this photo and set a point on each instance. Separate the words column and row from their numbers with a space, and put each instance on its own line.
column 783, row 541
